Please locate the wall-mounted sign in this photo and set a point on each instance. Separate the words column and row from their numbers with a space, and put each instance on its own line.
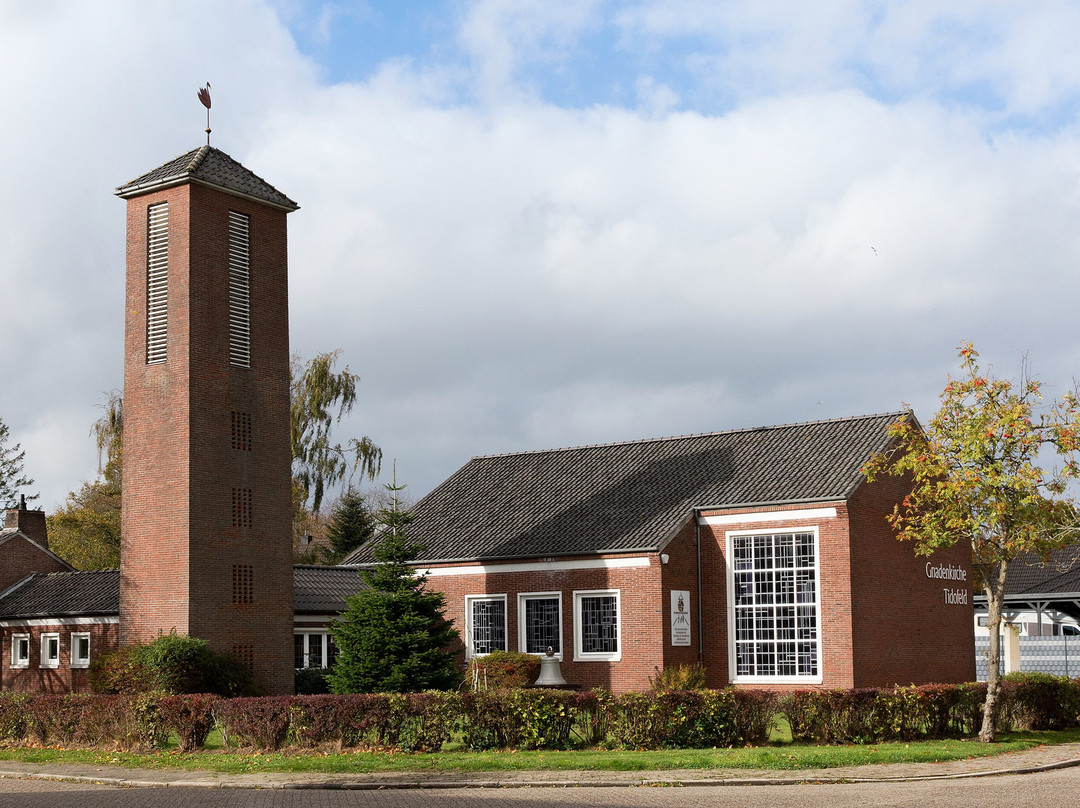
column 680, row 617
column 948, row 572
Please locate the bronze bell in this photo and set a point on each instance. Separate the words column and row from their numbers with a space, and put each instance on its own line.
column 550, row 676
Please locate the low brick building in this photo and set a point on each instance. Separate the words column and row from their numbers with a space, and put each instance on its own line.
column 762, row 553
column 52, row 624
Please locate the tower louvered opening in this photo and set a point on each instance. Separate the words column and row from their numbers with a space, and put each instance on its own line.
column 239, row 291
column 157, row 282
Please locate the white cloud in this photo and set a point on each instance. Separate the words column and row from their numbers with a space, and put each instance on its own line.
column 510, row 274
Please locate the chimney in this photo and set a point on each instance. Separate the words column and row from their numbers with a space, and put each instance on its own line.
column 30, row 523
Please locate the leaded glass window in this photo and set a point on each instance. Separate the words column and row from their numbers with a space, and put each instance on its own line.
column 541, row 627
column 487, row 625
column 598, row 622
column 775, row 605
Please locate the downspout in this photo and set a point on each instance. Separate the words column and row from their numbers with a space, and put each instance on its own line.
column 700, row 636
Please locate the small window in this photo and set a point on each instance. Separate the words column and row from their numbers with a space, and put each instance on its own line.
column 80, row 649
column 485, row 625
column 540, row 618
column 50, row 650
column 313, row 649
column 20, row 651
column 596, row 626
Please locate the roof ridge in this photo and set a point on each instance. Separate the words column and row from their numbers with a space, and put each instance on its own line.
column 198, row 157
column 687, row 436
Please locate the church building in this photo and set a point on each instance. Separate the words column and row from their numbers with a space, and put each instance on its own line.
column 763, row 554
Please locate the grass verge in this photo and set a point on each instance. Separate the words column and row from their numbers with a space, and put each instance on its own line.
column 780, row 757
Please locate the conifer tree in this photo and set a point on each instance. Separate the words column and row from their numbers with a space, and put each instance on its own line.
column 393, row 636
column 11, row 471
column 351, row 524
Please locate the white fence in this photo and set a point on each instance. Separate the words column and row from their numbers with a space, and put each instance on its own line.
column 1057, row 655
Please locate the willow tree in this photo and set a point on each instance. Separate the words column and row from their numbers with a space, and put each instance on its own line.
column 320, row 397
column 991, row 468
column 86, row 530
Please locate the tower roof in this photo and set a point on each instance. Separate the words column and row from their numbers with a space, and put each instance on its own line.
column 212, row 167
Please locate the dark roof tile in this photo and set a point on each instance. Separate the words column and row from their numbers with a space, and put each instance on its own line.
column 208, row 166
column 323, row 590
column 316, row 590
column 1060, row 575
column 63, row 594
column 633, row 496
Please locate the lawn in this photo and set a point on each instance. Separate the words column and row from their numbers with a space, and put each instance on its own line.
column 779, row 756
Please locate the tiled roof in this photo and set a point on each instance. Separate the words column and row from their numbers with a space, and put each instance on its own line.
column 634, row 496
column 63, row 594
column 208, row 166
column 323, row 590
column 316, row 590
column 1030, row 575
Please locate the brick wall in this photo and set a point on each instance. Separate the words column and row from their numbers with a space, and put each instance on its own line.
column 680, row 573
column 904, row 630
column 642, row 614
column 834, row 620
column 20, row 558
column 63, row 678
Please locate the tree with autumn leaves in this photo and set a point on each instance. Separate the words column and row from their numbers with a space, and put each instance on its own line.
column 993, row 468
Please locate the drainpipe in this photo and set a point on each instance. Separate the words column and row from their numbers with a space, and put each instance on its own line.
column 700, row 636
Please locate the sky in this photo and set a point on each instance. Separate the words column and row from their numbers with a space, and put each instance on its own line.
column 530, row 224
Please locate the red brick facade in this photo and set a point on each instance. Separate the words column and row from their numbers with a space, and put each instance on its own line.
column 20, row 557
column 36, row 677
column 881, row 621
column 206, row 539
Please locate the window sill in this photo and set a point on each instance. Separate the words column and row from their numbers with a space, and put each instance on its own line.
column 776, row 680
column 598, row 657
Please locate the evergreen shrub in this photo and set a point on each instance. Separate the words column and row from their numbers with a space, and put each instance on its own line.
column 501, row 669
column 173, row 663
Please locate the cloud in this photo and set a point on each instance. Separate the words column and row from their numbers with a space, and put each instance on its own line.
column 506, row 271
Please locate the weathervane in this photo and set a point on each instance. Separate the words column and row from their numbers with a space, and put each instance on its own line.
column 204, row 96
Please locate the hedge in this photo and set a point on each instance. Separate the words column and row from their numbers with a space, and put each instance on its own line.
column 514, row 718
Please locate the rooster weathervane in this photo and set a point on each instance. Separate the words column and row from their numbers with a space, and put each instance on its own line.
column 204, row 96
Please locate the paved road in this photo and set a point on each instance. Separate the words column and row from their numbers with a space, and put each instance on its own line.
column 1052, row 789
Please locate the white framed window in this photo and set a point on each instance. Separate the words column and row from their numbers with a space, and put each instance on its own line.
column 540, row 622
column 774, row 606
column 597, row 626
column 80, row 649
column 313, row 649
column 50, row 651
column 20, row 650
column 485, row 624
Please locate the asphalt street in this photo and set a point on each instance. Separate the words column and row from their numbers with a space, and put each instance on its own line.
column 1049, row 789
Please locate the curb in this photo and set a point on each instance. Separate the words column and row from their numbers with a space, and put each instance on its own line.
column 400, row 785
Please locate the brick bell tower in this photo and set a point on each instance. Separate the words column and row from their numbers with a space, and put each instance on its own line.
column 206, row 547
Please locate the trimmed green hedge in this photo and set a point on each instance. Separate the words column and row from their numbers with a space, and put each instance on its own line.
column 514, row 718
